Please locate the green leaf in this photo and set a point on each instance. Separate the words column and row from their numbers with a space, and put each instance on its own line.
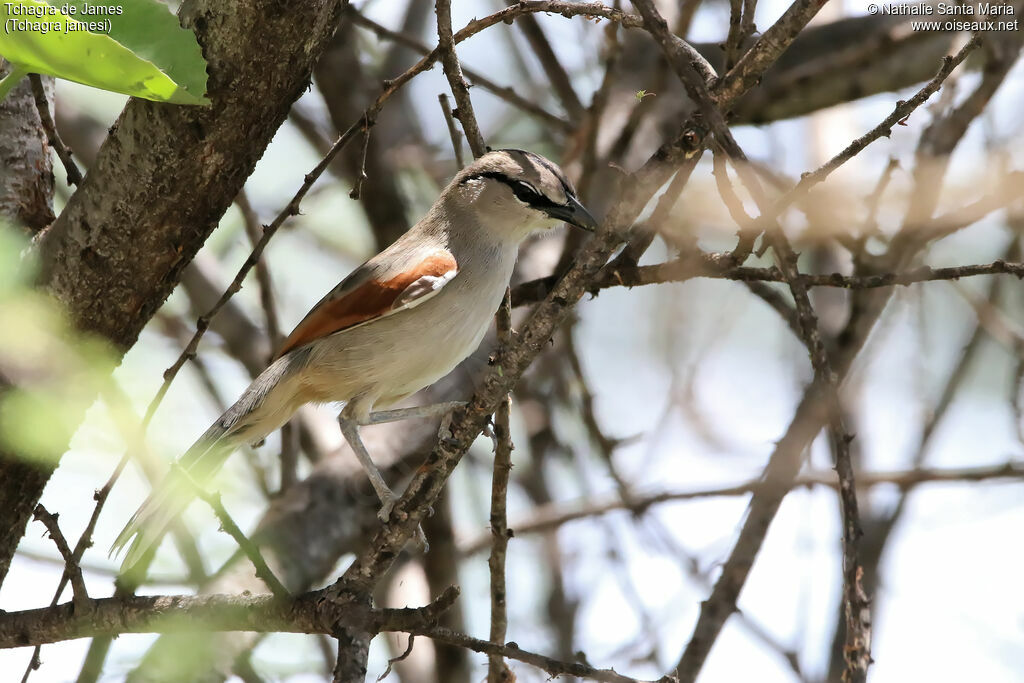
column 11, row 79
column 141, row 51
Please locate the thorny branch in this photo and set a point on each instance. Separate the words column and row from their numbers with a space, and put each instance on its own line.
column 497, row 669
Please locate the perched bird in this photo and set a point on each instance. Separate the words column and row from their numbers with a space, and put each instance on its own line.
column 396, row 324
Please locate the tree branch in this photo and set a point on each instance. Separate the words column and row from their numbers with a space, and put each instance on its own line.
column 43, row 106
column 453, row 72
column 71, row 568
column 553, row 515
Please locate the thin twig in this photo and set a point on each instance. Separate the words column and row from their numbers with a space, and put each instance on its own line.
column 902, row 110
column 228, row 525
column 80, row 594
column 63, row 153
column 400, row 658
column 548, row 517
column 717, row 266
column 453, row 131
column 777, row 301
column 561, row 82
column 504, row 92
column 497, row 669
column 606, row 445
column 254, row 229
column 357, row 187
column 552, row 666
column 747, row 26
column 732, row 40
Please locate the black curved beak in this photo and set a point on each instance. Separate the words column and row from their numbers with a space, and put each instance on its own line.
column 574, row 213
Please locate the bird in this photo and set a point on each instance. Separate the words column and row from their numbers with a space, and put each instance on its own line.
column 398, row 323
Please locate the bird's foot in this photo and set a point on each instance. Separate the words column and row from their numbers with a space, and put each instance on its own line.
column 387, row 504
column 444, row 429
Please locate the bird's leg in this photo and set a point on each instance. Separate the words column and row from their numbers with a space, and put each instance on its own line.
column 432, row 410
column 350, row 420
column 350, row 430
column 442, row 410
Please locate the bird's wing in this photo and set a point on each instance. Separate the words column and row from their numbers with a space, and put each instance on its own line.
column 372, row 292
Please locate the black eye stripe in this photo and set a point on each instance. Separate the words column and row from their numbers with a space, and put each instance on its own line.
column 524, row 191
column 536, row 158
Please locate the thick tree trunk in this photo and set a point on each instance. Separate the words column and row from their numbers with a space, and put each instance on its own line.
column 26, row 202
column 162, row 180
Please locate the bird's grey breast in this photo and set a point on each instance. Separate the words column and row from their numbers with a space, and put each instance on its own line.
column 401, row 353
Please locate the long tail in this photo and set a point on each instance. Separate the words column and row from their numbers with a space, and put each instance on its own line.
column 259, row 411
column 174, row 494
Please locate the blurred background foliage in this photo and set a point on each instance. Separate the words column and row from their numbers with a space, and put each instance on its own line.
column 55, row 371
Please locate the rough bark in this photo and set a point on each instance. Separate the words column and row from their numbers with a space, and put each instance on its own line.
column 162, row 180
column 26, row 168
column 26, row 199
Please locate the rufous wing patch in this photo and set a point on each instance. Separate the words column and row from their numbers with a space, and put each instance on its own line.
column 373, row 299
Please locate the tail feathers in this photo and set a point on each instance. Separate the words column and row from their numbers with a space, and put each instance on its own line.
column 266, row 405
column 173, row 495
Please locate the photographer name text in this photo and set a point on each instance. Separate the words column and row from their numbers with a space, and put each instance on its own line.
column 980, row 17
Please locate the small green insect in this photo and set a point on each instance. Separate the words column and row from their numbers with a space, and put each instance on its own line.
column 641, row 94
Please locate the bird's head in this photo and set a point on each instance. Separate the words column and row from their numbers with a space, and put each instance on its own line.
column 516, row 192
